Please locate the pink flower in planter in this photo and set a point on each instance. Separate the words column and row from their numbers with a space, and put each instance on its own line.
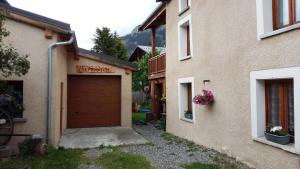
column 205, row 98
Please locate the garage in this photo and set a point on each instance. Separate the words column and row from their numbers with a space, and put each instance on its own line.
column 93, row 101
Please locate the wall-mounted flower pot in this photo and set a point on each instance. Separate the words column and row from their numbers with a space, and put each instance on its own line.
column 284, row 140
column 205, row 98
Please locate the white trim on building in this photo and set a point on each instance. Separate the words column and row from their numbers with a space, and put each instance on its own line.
column 182, row 38
column 182, row 98
column 182, row 4
column 264, row 17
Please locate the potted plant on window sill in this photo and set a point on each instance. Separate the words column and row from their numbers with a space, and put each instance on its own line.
column 277, row 134
column 188, row 114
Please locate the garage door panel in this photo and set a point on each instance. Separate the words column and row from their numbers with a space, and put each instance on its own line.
column 94, row 101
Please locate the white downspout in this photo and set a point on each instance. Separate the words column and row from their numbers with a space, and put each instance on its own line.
column 49, row 91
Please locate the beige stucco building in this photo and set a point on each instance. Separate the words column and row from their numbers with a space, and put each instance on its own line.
column 247, row 54
column 88, row 89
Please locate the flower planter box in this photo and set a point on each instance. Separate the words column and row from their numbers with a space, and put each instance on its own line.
column 284, row 140
column 188, row 116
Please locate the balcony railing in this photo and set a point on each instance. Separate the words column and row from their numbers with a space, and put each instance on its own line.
column 157, row 65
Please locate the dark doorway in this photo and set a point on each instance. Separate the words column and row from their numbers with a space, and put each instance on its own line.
column 157, row 103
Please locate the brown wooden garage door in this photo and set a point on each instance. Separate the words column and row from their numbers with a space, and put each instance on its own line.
column 94, row 101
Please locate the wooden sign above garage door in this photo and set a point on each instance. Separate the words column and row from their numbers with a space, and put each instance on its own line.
column 94, row 69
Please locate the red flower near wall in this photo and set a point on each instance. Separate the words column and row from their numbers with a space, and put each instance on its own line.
column 205, row 98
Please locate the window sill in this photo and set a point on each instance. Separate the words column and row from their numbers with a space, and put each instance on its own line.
column 185, row 58
column 280, row 31
column 187, row 120
column 20, row 120
column 183, row 11
column 289, row 148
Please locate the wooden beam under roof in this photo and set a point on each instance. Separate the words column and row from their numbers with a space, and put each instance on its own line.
column 156, row 19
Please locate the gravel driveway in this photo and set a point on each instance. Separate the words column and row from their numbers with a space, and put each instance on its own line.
column 168, row 152
column 166, row 155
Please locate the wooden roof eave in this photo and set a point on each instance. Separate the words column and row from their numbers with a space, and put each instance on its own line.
column 153, row 20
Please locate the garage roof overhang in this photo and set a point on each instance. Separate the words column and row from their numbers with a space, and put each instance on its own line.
column 107, row 59
column 34, row 19
column 63, row 29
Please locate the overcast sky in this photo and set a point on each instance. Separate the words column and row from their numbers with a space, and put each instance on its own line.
column 84, row 16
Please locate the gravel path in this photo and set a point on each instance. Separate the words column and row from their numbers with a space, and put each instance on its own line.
column 166, row 155
column 165, row 151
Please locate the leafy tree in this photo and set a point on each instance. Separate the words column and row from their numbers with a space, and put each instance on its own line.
column 140, row 77
column 109, row 43
column 14, row 96
column 121, row 49
column 11, row 63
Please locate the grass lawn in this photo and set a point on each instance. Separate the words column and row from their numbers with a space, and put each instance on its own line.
column 146, row 106
column 138, row 116
column 122, row 160
column 210, row 166
column 225, row 165
column 201, row 166
column 72, row 159
column 55, row 159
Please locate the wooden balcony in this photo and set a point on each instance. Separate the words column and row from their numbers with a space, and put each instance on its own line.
column 157, row 67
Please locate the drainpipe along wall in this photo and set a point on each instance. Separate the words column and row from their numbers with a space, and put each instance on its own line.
column 49, row 91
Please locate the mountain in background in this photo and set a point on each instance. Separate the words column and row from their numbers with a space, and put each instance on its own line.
column 136, row 38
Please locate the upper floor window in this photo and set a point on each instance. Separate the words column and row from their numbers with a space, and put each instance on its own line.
column 184, row 5
column 285, row 13
column 276, row 17
column 185, row 38
column 188, row 43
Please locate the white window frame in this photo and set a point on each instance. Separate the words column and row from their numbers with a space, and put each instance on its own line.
column 182, row 98
column 258, row 111
column 264, row 17
column 181, row 6
column 182, row 46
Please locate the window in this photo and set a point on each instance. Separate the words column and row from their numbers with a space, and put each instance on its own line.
column 185, row 38
column 188, row 43
column 274, row 93
column 186, row 107
column 280, row 104
column 285, row 13
column 189, row 97
column 184, row 5
column 15, row 89
column 276, row 17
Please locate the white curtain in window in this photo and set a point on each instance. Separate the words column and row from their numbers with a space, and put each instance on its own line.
column 275, row 105
column 291, row 108
column 297, row 8
column 283, row 12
